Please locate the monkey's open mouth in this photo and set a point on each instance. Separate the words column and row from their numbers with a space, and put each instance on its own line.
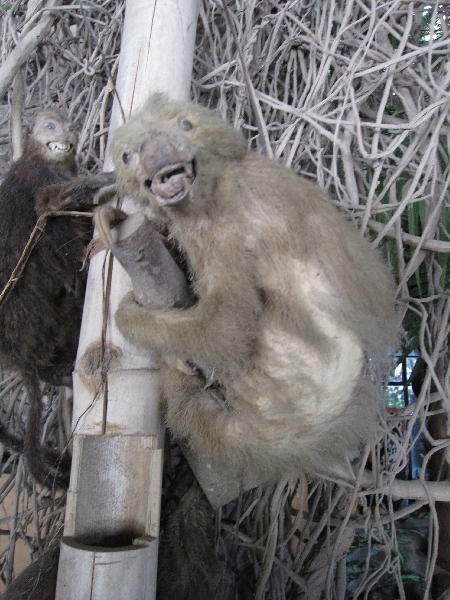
column 172, row 183
column 60, row 147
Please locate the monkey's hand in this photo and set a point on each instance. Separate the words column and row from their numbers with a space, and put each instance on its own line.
column 128, row 312
column 76, row 194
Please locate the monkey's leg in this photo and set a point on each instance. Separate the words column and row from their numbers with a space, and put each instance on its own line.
column 201, row 415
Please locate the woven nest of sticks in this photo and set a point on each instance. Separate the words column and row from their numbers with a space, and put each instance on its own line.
column 356, row 96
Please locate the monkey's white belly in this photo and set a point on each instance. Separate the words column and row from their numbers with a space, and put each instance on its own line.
column 298, row 410
column 324, row 375
column 304, row 381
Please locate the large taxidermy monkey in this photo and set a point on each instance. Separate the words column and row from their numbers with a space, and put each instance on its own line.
column 292, row 303
column 40, row 319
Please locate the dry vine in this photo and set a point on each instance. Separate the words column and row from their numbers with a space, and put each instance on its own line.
column 354, row 95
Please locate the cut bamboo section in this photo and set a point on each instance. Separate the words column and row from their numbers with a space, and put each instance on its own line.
column 111, row 530
column 104, row 573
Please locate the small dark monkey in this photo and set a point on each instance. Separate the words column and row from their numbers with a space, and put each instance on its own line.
column 40, row 319
column 292, row 303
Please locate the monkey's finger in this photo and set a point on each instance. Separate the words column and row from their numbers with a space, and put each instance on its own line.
column 105, row 179
column 57, row 205
column 101, row 180
column 128, row 307
column 127, row 314
column 104, row 194
column 129, row 298
column 82, row 186
column 126, row 311
column 105, row 218
column 62, row 204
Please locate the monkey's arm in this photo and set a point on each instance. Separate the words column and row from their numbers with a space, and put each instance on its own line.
column 78, row 193
column 219, row 328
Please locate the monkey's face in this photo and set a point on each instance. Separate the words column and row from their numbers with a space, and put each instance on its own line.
column 169, row 155
column 164, row 166
column 55, row 136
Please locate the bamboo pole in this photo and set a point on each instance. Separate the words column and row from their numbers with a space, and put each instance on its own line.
column 109, row 549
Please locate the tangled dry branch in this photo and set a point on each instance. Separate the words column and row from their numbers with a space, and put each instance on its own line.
column 354, row 95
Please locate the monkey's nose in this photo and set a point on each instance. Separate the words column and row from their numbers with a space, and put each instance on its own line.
column 162, row 151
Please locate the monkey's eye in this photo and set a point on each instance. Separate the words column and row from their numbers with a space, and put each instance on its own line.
column 126, row 157
column 184, row 125
column 49, row 125
column 71, row 128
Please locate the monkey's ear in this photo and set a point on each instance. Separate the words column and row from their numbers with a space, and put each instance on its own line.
column 28, row 123
column 73, row 120
column 184, row 124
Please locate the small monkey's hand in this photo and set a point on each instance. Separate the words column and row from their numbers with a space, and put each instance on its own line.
column 76, row 194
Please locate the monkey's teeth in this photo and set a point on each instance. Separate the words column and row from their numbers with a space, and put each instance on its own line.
column 172, row 183
column 60, row 147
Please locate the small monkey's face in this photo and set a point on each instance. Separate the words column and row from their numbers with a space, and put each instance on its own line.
column 55, row 136
column 168, row 155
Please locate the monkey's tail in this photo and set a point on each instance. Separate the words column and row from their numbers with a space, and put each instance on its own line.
column 12, row 443
column 188, row 567
column 38, row 581
column 45, row 466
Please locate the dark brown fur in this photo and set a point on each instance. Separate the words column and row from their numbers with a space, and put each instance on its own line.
column 38, row 581
column 292, row 302
column 40, row 319
column 188, row 568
